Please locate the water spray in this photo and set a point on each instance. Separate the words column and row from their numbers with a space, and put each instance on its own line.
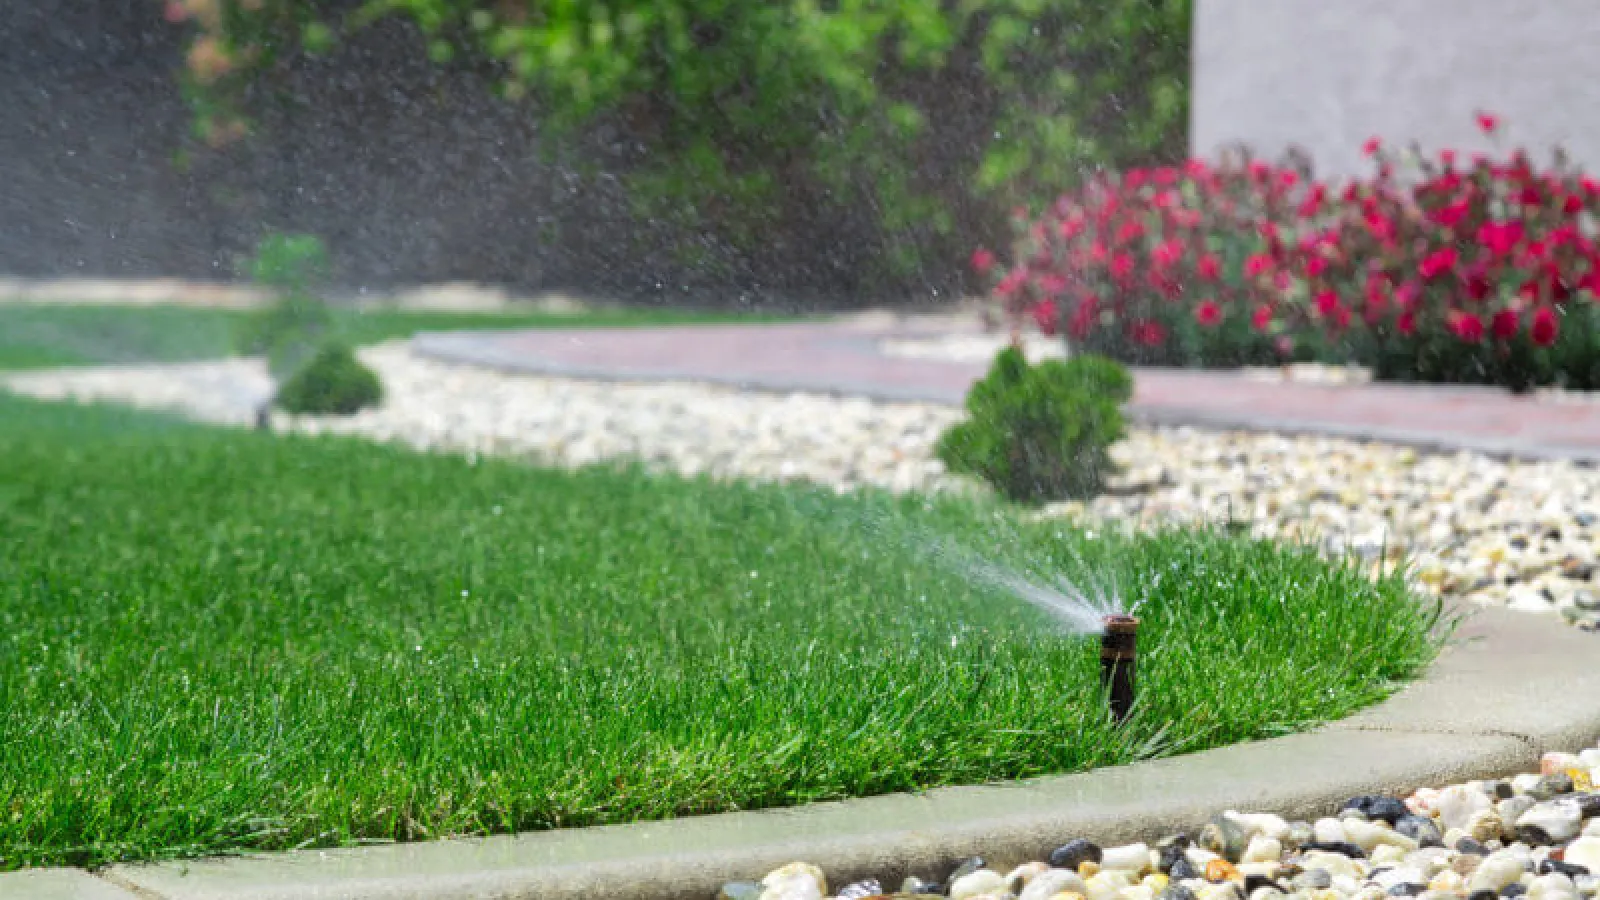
column 1119, row 651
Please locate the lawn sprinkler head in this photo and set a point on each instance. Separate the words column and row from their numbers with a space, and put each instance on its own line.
column 1119, row 651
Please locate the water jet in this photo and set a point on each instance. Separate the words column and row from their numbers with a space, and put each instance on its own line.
column 1119, row 650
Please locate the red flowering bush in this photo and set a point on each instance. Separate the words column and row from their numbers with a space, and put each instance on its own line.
column 1480, row 272
column 1162, row 266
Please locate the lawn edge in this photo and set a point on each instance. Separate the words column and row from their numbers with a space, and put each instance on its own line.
column 1508, row 688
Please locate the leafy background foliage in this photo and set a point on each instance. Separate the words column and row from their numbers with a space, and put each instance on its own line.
column 913, row 124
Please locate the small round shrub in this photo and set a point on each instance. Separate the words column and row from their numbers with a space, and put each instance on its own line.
column 1041, row 433
column 334, row 382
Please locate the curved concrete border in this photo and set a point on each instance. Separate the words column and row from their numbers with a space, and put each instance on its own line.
column 1510, row 687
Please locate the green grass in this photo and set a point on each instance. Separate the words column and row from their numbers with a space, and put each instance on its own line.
column 39, row 336
column 213, row 640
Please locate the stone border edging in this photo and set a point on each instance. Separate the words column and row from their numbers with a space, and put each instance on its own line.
column 1510, row 687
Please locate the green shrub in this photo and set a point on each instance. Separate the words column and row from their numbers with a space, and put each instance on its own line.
column 334, row 382
column 1041, row 433
column 905, row 127
column 290, row 329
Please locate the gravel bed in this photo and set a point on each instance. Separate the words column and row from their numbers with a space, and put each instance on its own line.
column 1525, row 535
column 1536, row 836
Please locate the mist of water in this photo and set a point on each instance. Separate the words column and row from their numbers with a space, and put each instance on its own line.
column 1076, row 606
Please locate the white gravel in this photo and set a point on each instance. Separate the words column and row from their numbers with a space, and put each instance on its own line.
column 1534, row 835
column 1525, row 535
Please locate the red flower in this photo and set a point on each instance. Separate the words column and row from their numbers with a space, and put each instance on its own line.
column 1500, row 237
column 1122, row 266
column 1261, row 319
column 1052, row 284
column 1166, row 254
column 1545, row 326
column 1466, row 326
column 1316, row 265
column 1504, row 324
column 1130, row 229
column 1377, row 296
column 1327, row 303
column 1208, row 268
column 1448, row 157
column 1312, row 204
column 982, row 261
column 1257, row 264
column 1450, row 216
column 1380, row 226
column 1406, row 323
column 1208, row 313
column 1046, row 314
column 1371, row 147
column 1148, row 333
column 1488, row 122
column 1437, row 263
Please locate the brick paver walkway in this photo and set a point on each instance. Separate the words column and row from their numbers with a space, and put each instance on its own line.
column 843, row 358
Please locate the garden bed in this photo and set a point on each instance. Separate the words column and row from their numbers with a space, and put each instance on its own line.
column 225, row 640
column 1436, row 268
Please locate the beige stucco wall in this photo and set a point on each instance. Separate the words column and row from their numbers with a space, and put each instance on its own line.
column 1327, row 74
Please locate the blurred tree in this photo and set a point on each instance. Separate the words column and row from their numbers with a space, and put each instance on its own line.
column 919, row 121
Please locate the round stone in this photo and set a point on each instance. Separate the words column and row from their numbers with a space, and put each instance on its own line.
column 1074, row 853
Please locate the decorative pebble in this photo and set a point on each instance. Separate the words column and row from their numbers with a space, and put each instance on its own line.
column 860, row 890
column 1585, row 851
column 974, row 884
column 1074, row 853
column 1052, row 882
column 1555, row 822
column 1131, row 858
column 794, row 881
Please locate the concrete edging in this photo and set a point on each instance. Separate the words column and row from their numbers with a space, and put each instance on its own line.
column 1510, row 687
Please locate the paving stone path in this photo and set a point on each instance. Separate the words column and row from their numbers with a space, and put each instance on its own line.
column 845, row 357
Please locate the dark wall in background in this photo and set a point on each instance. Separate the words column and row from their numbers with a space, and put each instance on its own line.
column 410, row 173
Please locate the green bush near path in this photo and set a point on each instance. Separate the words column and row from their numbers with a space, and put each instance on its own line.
column 217, row 639
column 1041, row 432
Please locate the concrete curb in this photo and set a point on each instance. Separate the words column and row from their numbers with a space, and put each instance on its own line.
column 1511, row 687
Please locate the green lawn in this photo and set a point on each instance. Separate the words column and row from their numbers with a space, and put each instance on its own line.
column 36, row 336
column 218, row 639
